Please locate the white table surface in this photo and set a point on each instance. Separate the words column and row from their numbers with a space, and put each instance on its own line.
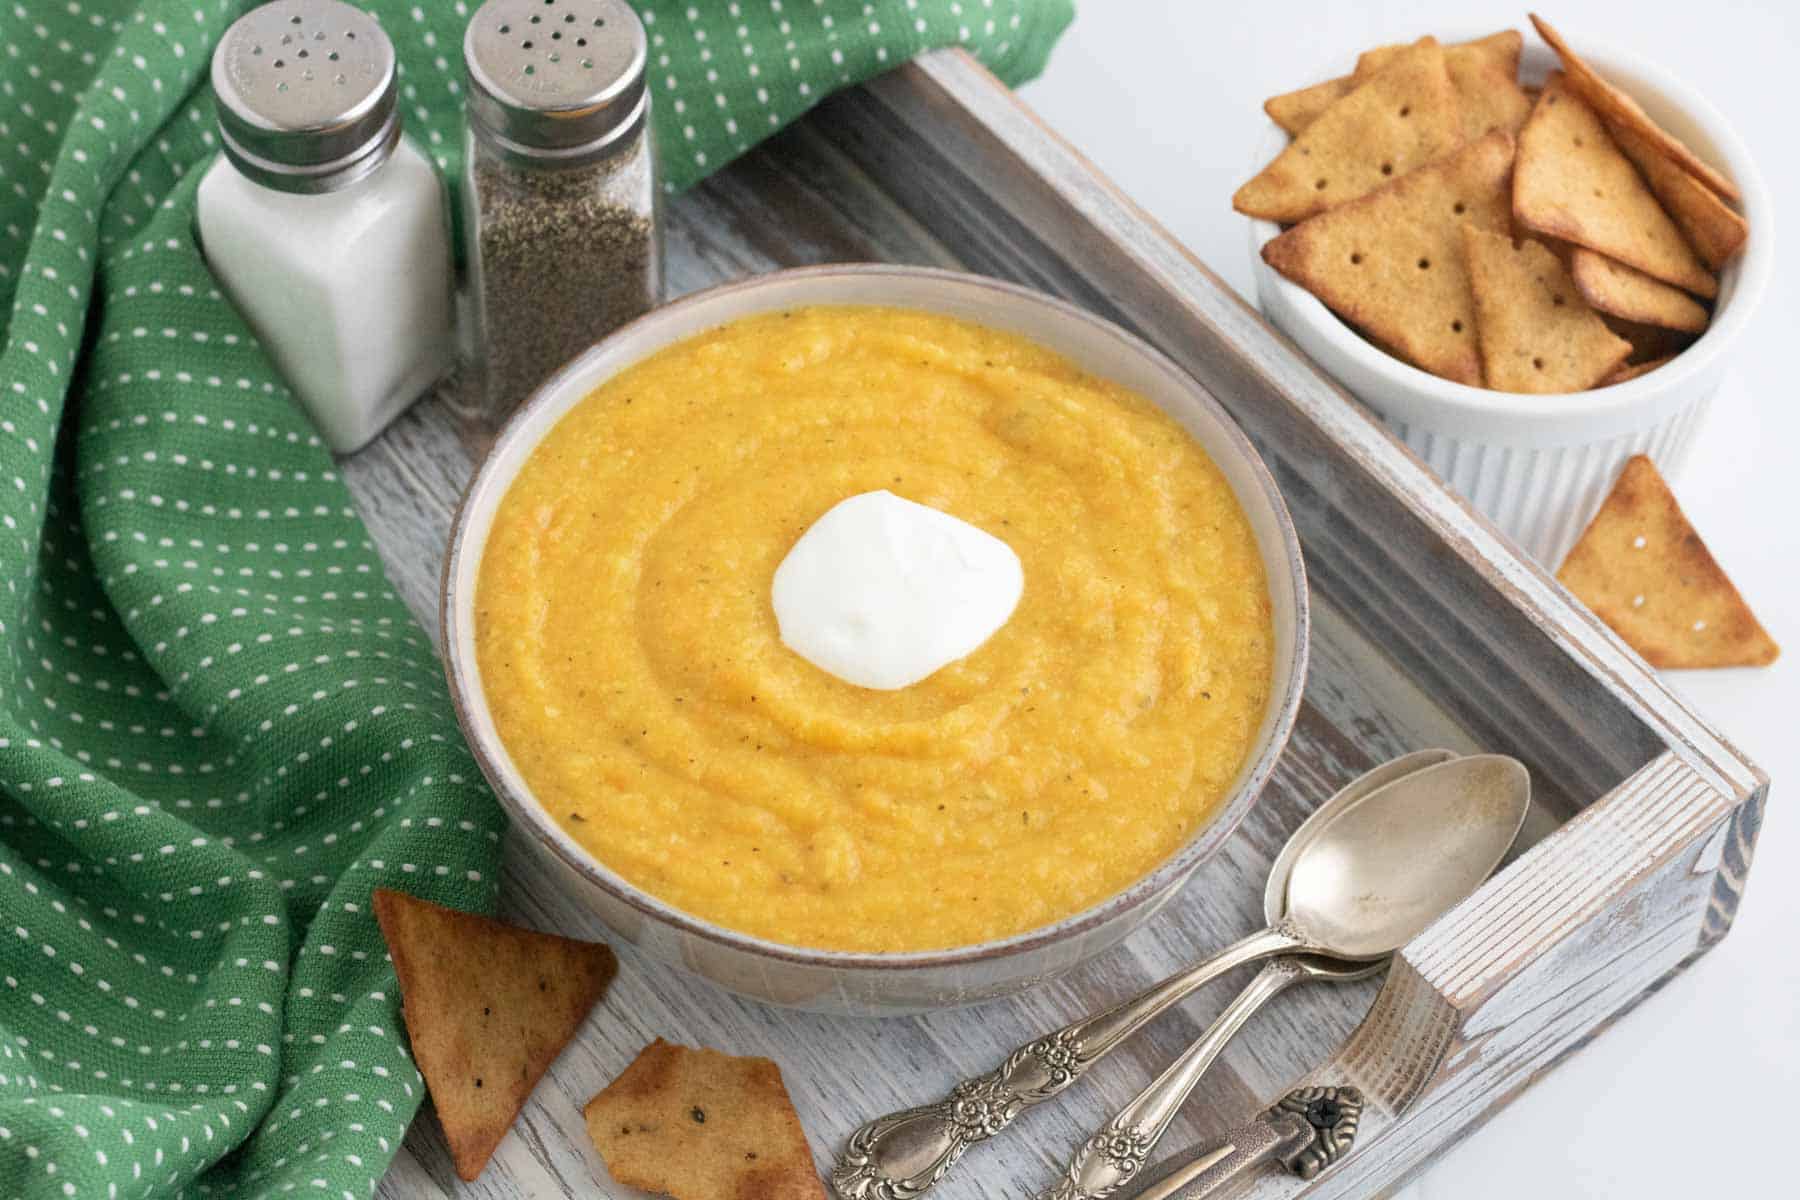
column 1165, row 96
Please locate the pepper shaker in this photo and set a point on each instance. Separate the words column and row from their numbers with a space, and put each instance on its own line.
column 326, row 227
column 562, row 212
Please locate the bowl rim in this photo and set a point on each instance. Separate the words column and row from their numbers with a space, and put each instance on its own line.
column 530, row 816
column 1416, row 391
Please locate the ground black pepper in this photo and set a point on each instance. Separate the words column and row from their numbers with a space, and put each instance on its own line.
column 560, row 256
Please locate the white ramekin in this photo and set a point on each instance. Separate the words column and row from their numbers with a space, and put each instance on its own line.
column 1539, row 466
column 838, row 981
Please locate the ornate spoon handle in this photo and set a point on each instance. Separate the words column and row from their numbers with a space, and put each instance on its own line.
column 1306, row 1131
column 902, row 1155
column 1110, row 1159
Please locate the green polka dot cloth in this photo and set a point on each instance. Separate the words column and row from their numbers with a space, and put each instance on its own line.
column 219, row 727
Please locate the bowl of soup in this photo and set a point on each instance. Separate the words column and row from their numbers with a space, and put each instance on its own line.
column 666, row 741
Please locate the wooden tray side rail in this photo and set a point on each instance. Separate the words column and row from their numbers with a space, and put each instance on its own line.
column 1661, row 813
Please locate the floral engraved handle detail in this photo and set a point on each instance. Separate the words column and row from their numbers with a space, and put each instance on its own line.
column 1114, row 1155
column 1306, row 1131
column 1105, row 1163
column 902, row 1155
column 1058, row 1060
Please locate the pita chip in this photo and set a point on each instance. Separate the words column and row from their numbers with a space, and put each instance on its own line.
column 488, row 1007
column 1294, row 111
column 1648, row 341
column 1712, row 228
column 1399, row 119
column 701, row 1125
column 1501, row 49
column 1620, row 109
column 1612, row 287
column 1630, row 371
column 1392, row 264
column 1485, row 74
column 1537, row 334
column 1572, row 182
column 1645, row 572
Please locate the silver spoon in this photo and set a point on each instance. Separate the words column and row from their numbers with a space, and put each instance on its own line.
column 901, row 1155
column 1114, row 1155
column 1277, row 976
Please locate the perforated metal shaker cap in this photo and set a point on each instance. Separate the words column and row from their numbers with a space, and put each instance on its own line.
column 306, row 94
column 556, row 79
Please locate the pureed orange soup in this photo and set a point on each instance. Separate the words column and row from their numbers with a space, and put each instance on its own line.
column 630, row 655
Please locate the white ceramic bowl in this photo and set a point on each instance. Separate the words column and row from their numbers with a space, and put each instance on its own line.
column 1539, row 466
column 835, row 981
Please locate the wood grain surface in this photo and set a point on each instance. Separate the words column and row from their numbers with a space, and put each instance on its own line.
column 1428, row 631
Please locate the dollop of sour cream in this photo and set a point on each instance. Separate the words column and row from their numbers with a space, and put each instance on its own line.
column 883, row 592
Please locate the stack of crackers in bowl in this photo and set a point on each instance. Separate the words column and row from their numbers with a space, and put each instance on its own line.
column 1553, row 242
column 1503, row 249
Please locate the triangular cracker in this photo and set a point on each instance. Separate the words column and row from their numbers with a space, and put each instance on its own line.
column 1485, row 74
column 1715, row 232
column 1627, row 292
column 1537, row 335
column 1391, row 263
column 701, row 1125
column 1573, row 183
column 1400, row 119
column 1502, row 49
column 1621, row 109
column 1294, row 111
column 1648, row 341
column 1630, row 371
column 1644, row 571
column 488, row 1007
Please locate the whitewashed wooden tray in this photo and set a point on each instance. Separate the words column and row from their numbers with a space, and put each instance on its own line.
column 1430, row 630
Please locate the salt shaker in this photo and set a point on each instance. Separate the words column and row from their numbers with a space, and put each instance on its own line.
column 561, row 202
column 326, row 227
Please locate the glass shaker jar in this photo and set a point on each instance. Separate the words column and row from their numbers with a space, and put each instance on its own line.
column 327, row 228
column 562, row 218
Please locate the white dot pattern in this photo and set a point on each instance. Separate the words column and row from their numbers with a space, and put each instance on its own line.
column 726, row 75
column 219, row 727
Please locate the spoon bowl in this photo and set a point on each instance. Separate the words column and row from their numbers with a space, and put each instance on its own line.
column 1352, row 793
column 1389, row 865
